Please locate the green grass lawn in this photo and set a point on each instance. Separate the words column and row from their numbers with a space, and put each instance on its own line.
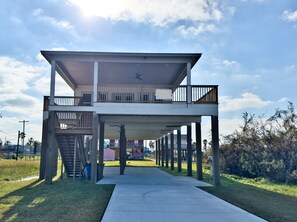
column 273, row 202
column 270, row 201
column 33, row 200
column 11, row 170
column 132, row 163
column 66, row 200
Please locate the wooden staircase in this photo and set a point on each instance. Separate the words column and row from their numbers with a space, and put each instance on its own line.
column 66, row 143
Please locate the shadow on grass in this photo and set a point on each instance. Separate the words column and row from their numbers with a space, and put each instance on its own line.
column 269, row 205
column 64, row 200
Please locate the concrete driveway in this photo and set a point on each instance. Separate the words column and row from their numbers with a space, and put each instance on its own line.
column 149, row 194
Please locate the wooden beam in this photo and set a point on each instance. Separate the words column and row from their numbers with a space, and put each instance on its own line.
column 172, row 151
column 50, row 148
column 74, row 157
column 162, row 152
column 215, row 149
column 198, row 151
column 179, row 159
column 123, row 142
column 189, row 150
column 166, row 151
column 101, row 151
column 94, row 152
column 44, row 144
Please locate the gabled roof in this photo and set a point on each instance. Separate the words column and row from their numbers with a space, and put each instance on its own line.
column 77, row 68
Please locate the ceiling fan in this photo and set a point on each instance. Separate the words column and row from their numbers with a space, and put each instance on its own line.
column 138, row 76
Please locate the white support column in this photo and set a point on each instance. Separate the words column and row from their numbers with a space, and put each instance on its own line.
column 95, row 86
column 53, row 82
column 189, row 89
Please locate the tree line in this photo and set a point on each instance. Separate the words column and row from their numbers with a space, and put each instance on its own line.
column 263, row 147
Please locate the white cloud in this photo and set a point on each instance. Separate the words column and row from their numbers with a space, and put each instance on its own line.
column 290, row 16
column 16, row 76
column 247, row 100
column 245, row 78
column 225, row 63
column 228, row 126
column 152, row 11
column 290, row 68
column 43, row 85
column 16, row 80
column 283, row 99
column 256, row 1
column 229, row 62
column 193, row 31
column 39, row 14
column 11, row 125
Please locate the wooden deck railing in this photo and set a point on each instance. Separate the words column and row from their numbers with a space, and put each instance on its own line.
column 74, row 120
column 199, row 94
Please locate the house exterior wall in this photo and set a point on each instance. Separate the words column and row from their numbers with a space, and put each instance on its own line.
column 136, row 92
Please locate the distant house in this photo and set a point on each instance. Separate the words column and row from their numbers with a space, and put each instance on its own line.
column 134, row 149
column 10, row 151
column 109, row 154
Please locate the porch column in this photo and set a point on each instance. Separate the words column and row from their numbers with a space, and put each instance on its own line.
column 156, row 152
column 172, row 151
column 123, row 142
column 50, row 153
column 189, row 88
column 162, row 151
column 179, row 159
column 166, row 151
column 189, row 150
column 53, row 82
column 215, row 149
column 198, row 151
column 159, row 152
column 44, row 143
column 101, row 151
column 94, row 152
column 95, row 86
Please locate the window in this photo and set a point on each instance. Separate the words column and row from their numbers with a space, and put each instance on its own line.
column 86, row 99
column 125, row 97
column 144, row 97
column 129, row 97
column 102, row 96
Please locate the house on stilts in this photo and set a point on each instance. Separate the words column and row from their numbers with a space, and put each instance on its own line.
column 124, row 96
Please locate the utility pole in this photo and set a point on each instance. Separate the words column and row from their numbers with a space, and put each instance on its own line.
column 23, row 133
column 17, row 154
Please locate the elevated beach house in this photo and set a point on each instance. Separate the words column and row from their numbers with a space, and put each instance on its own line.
column 124, row 96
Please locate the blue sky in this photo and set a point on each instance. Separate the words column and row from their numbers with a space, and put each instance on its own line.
column 249, row 49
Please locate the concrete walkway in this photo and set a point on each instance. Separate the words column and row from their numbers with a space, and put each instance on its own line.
column 149, row 194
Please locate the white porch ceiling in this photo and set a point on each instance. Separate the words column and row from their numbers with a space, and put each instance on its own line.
column 77, row 68
column 145, row 127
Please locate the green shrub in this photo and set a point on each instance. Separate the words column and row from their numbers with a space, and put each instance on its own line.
column 263, row 148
